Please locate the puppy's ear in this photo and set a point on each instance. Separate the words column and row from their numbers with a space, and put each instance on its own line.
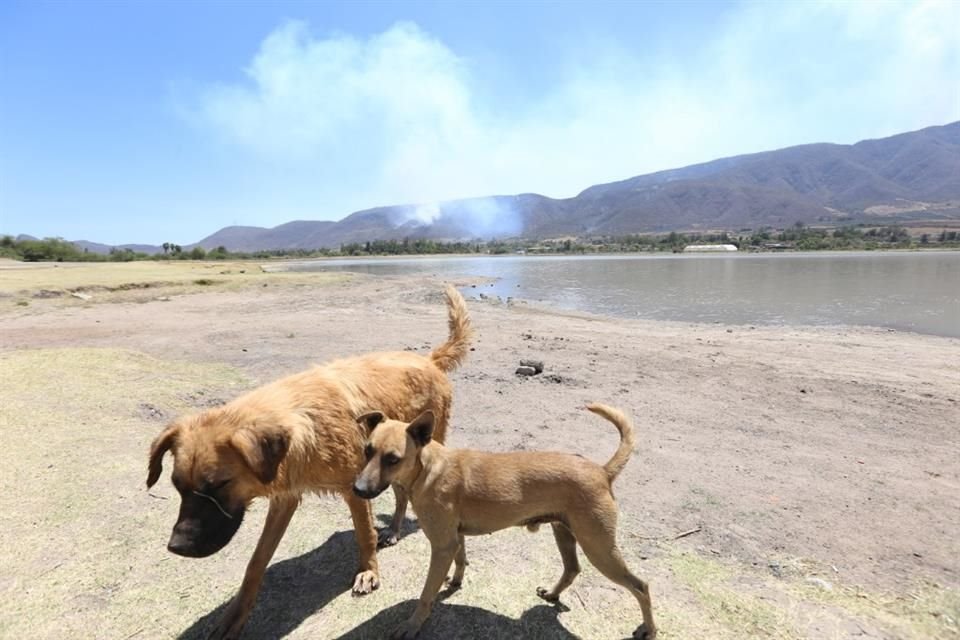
column 371, row 420
column 160, row 446
column 262, row 450
column 421, row 429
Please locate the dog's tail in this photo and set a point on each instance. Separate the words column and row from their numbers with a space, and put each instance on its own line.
column 451, row 353
column 619, row 460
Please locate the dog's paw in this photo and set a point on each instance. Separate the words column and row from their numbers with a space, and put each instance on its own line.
column 407, row 631
column 224, row 631
column 547, row 595
column 387, row 538
column 231, row 624
column 365, row 582
column 643, row 633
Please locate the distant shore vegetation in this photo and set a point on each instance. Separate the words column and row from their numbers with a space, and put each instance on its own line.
column 799, row 237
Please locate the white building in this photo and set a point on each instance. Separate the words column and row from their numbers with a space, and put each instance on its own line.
column 700, row 248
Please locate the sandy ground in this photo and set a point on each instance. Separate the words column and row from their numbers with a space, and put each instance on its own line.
column 817, row 469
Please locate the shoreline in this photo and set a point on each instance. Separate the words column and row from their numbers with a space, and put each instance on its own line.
column 543, row 308
column 604, row 254
column 11, row 263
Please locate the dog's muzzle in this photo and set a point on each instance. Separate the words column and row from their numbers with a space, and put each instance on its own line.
column 366, row 492
column 203, row 527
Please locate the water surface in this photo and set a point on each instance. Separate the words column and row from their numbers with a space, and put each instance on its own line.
column 915, row 291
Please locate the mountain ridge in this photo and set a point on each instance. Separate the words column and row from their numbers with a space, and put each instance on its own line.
column 908, row 176
column 883, row 180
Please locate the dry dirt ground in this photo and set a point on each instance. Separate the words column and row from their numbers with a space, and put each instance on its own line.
column 817, row 469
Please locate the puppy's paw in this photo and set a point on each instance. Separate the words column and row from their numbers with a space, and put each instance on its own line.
column 643, row 633
column 365, row 582
column 549, row 596
column 407, row 631
column 387, row 538
column 453, row 582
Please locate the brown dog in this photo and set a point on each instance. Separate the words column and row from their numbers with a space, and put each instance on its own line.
column 297, row 435
column 459, row 493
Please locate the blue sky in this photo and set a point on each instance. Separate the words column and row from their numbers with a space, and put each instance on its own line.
column 165, row 121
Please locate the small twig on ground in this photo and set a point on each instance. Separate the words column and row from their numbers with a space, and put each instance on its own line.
column 582, row 603
column 684, row 534
column 689, row 532
column 54, row 567
column 135, row 633
column 153, row 495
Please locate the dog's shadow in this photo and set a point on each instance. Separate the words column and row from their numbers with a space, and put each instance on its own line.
column 296, row 588
column 293, row 590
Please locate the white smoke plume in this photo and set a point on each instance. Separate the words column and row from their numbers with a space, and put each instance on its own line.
column 339, row 123
column 494, row 217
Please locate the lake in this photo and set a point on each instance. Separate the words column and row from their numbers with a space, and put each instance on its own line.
column 913, row 291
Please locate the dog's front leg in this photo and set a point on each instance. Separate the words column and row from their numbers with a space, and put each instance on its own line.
column 441, row 556
column 278, row 517
column 368, row 577
column 460, row 564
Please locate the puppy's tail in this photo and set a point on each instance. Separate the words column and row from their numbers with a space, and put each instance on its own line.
column 619, row 460
column 451, row 353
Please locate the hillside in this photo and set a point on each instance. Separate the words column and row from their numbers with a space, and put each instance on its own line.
column 97, row 247
column 911, row 175
column 298, row 234
column 904, row 177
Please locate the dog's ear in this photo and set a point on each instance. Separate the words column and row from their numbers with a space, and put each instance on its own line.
column 421, row 429
column 262, row 450
column 160, row 446
column 371, row 420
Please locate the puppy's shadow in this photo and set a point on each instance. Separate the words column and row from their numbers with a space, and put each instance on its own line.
column 293, row 590
column 463, row 622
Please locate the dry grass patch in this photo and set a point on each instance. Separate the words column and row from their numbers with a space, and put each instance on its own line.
column 745, row 602
column 76, row 519
column 922, row 611
column 53, row 283
column 731, row 605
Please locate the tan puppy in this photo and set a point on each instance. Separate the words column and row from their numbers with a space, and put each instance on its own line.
column 293, row 436
column 459, row 493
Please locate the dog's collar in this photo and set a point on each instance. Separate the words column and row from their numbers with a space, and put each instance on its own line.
column 416, row 474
